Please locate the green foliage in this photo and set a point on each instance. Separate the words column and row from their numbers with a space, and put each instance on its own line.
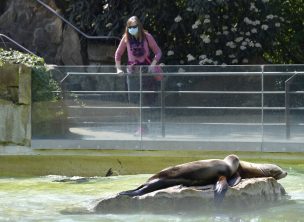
column 204, row 31
column 42, row 82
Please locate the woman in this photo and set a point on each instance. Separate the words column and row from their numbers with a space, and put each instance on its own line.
column 138, row 43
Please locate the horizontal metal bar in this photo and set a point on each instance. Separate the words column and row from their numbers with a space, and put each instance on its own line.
column 185, row 107
column 74, row 27
column 202, row 73
column 184, row 92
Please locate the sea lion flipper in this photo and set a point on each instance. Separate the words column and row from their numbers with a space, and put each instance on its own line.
column 234, row 179
column 220, row 190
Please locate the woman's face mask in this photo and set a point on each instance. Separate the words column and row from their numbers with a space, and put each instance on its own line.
column 133, row 30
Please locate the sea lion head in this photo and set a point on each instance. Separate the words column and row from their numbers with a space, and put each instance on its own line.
column 233, row 162
column 272, row 170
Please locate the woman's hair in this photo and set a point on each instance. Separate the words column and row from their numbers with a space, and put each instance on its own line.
column 141, row 31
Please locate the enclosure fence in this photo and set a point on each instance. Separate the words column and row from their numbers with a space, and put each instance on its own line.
column 256, row 108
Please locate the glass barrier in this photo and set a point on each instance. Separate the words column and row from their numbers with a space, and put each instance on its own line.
column 188, row 107
column 283, row 106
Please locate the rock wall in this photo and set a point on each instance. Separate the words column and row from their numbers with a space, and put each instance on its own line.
column 39, row 30
column 15, row 104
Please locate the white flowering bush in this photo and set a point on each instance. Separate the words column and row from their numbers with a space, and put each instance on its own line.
column 204, row 32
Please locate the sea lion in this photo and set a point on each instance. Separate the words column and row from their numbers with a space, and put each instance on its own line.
column 253, row 170
column 197, row 173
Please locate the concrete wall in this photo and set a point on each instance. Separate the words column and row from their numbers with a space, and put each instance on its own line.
column 15, row 104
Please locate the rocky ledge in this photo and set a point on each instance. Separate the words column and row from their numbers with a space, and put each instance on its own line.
column 249, row 193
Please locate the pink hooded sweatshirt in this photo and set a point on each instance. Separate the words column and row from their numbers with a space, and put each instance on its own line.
column 148, row 43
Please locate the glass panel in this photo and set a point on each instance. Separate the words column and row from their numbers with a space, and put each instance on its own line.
column 93, row 106
column 205, row 106
column 283, row 107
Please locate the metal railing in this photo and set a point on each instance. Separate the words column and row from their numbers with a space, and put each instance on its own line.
column 265, row 109
column 15, row 43
column 73, row 26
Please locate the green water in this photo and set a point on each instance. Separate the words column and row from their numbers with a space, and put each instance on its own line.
column 41, row 199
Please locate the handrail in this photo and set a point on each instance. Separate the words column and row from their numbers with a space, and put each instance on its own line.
column 16, row 43
column 74, row 27
column 287, row 108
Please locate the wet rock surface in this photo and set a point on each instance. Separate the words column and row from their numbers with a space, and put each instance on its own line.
column 249, row 193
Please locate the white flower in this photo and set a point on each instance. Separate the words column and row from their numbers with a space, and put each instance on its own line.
column 239, row 39
column 105, row 6
column 178, row 18
column 245, row 60
column 181, row 70
column 270, row 16
column 196, row 24
column 189, row 9
column 243, row 47
column 109, row 25
column 231, row 44
column 202, row 62
column 179, row 84
column 205, row 38
column 234, row 61
column 254, row 30
column 190, row 57
column 244, row 43
column 218, row 52
column 277, row 24
column 256, row 22
column 202, row 56
column 282, row 19
column 170, row 53
column 264, row 27
column 252, row 6
column 206, row 21
column 248, row 33
column 231, row 56
column 247, row 21
column 225, row 32
column 258, row 45
column 207, row 16
column 251, row 44
column 233, row 29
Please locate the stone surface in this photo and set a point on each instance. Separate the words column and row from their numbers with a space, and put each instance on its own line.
column 15, row 104
column 15, row 127
column 250, row 193
column 42, row 32
column 31, row 25
column 69, row 52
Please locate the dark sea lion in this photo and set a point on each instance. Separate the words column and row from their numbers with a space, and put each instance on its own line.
column 253, row 170
column 197, row 173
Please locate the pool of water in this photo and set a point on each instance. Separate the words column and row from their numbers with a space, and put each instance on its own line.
column 42, row 199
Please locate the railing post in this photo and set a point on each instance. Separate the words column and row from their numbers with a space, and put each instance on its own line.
column 287, row 105
column 140, row 105
column 162, row 109
column 262, row 105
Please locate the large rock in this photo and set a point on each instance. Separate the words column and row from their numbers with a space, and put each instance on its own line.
column 250, row 193
column 31, row 25
column 69, row 52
